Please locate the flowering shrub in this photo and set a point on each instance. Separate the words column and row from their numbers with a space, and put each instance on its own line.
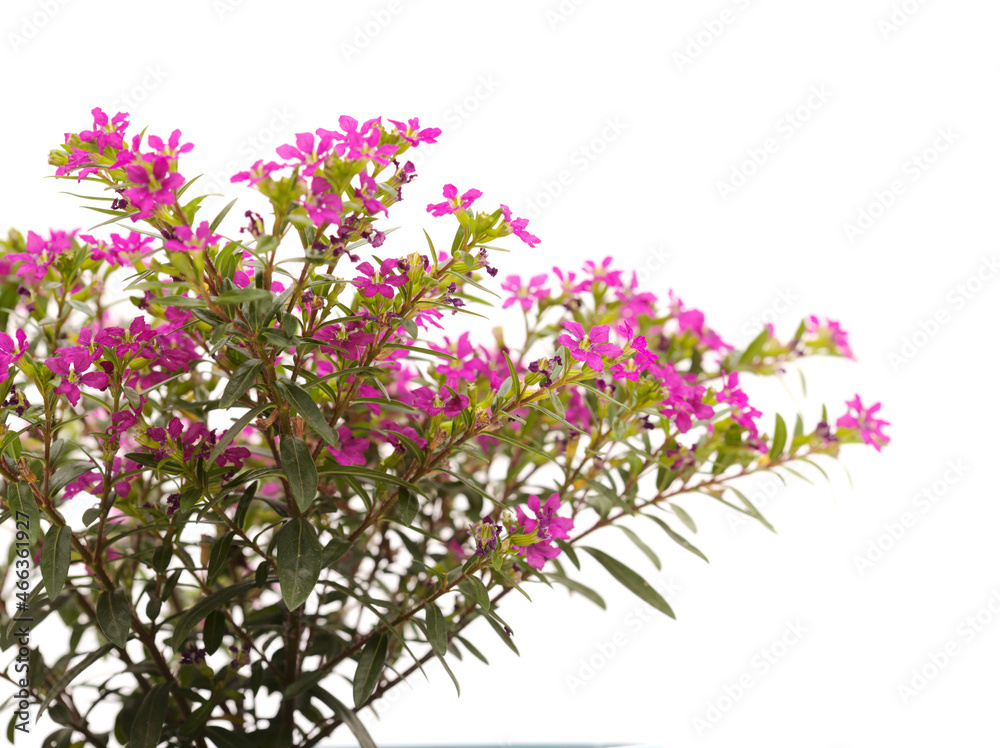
column 267, row 465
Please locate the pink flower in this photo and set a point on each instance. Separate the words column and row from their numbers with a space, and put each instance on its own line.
column 381, row 283
column 350, row 450
column 172, row 147
column 367, row 147
column 151, row 187
column 72, row 363
column 683, row 399
column 123, row 250
column 307, row 152
column 642, row 360
column 258, row 172
column 9, row 354
column 410, row 433
column 323, row 205
column 829, row 333
column 454, row 203
column 410, row 132
column 525, row 294
column 190, row 240
column 367, row 193
column 568, row 282
column 866, row 422
column 610, row 278
column 591, row 347
column 518, row 227
column 693, row 320
column 547, row 526
column 106, row 133
column 443, row 402
column 743, row 413
column 34, row 263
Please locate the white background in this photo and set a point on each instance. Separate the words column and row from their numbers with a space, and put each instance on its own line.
column 525, row 93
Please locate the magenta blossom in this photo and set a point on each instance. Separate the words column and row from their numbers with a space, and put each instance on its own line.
column 591, row 347
column 106, row 133
column 381, row 283
column 610, row 278
column 9, row 354
column 743, row 413
column 442, row 402
column 547, row 526
column 525, row 294
column 123, row 250
column 454, row 203
column 641, row 360
column 188, row 240
column 829, row 333
column 519, row 227
column 258, row 172
column 152, row 186
column 307, row 152
column 866, row 422
column 350, row 450
column 172, row 148
column 41, row 253
column 410, row 132
column 367, row 193
column 72, row 363
column 367, row 147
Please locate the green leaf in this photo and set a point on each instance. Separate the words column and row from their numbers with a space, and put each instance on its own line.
column 233, row 431
column 219, row 555
column 677, row 538
column 152, row 713
column 780, row 433
column 308, row 409
column 684, row 517
column 114, row 616
column 575, row 586
column 408, row 506
column 299, row 557
column 243, row 295
column 300, row 470
column 555, row 417
column 468, row 646
column 213, row 630
column 755, row 347
column 437, row 629
column 241, row 381
column 222, row 214
column 21, row 500
column 346, row 715
column 642, row 546
column 55, row 559
column 507, row 639
column 369, row 670
column 482, row 595
column 195, row 614
column 751, row 510
column 244, row 505
column 70, row 675
column 632, row 581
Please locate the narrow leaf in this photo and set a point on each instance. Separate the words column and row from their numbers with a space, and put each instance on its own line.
column 308, row 409
column 437, row 629
column 149, row 719
column 241, row 381
column 369, row 670
column 636, row 584
column 114, row 616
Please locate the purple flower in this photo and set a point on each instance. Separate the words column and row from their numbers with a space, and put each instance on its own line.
column 152, row 187
column 258, row 172
column 518, row 227
column 381, row 283
column 865, row 421
column 591, row 347
column 443, row 402
column 350, row 450
column 525, row 294
column 454, row 202
column 547, row 526
column 410, row 132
